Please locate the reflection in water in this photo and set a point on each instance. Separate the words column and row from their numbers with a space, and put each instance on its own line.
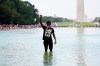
column 80, row 30
column 81, row 49
column 21, row 49
column 48, row 59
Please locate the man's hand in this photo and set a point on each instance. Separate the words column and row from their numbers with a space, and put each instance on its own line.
column 40, row 15
column 55, row 42
column 54, row 38
column 41, row 20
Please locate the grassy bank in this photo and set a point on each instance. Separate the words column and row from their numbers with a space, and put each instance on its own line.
column 85, row 24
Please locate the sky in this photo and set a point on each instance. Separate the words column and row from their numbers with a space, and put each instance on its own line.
column 66, row 8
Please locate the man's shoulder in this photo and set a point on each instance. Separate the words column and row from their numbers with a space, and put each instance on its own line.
column 52, row 29
column 44, row 27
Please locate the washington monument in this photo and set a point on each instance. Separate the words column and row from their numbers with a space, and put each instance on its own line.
column 80, row 10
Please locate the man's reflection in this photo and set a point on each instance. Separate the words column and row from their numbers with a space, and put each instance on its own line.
column 48, row 58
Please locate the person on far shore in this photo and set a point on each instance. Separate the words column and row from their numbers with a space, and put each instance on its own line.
column 47, row 35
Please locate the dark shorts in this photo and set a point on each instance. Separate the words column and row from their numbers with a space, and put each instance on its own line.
column 48, row 43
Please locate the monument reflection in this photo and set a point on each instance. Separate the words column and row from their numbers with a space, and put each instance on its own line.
column 81, row 47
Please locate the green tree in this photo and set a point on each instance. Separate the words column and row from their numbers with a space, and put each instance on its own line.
column 18, row 12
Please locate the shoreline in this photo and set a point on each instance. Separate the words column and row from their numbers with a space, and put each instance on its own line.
column 4, row 27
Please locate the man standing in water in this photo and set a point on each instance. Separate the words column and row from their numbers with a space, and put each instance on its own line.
column 47, row 35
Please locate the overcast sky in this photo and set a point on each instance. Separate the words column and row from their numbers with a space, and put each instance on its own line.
column 66, row 8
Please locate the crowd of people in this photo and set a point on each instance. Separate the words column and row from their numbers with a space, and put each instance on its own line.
column 11, row 26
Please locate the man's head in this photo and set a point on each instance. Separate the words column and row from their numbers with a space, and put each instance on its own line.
column 48, row 23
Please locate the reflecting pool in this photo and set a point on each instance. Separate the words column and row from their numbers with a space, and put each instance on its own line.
column 75, row 47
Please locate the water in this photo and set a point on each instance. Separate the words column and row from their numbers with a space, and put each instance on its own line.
column 75, row 47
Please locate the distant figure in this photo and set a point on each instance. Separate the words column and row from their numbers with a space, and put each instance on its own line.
column 47, row 35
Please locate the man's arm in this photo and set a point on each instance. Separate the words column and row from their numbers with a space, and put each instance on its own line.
column 54, row 37
column 41, row 20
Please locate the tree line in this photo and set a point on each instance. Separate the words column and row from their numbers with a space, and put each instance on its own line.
column 56, row 19
column 18, row 12
column 97, row 19
column 23, row 13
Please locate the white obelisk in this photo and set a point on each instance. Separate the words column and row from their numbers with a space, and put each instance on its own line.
column 80, row 10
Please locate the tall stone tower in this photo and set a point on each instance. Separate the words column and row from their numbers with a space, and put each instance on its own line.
column 80, row 10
